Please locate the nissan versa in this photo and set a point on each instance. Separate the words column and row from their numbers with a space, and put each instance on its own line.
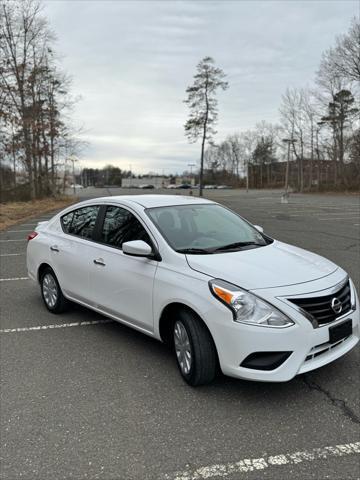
column 198, row 276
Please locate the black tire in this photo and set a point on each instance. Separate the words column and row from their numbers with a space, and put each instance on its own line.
column 61, row 303
column 203, row 365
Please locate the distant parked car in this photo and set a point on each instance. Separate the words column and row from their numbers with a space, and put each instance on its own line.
column 171, row 186
column 184, row 186
column 146, row 186
column 77, row 186
column 223, row 187
column 210, row 187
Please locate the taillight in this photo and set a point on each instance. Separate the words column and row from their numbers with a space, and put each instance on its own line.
column 32, row 235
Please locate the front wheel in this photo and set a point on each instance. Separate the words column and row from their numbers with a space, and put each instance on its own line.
column 194, row 349
column 51, row 292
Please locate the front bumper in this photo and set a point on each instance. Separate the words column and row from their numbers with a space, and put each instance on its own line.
column 310, row 346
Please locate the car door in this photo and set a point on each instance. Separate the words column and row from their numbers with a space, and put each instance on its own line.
column 122, row 285
column 72, row 252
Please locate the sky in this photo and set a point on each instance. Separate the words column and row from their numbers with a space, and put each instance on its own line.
column 131, row 61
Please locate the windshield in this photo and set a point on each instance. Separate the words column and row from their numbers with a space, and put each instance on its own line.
column 198, row 229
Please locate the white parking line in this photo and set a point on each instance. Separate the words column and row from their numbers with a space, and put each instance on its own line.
column 11, row 254
column 13, row 279
column 17, row 240
column 338, row 218
column 251, row 464
column 323, row 214
column 348, row 212
column 61, row 325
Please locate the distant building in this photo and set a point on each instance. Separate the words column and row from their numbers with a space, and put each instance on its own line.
column 158, row 182
column 182, row 180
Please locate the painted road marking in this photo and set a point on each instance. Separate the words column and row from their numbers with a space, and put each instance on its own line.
column 298, row 214
column 251, row 464
column 13, row 279
column 17, row 240
column 293, row 214
column 61, row 325
column 11, row 254
column 16, row 231
column 338, row 218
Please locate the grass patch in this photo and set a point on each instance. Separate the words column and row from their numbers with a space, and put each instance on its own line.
column 14, row 212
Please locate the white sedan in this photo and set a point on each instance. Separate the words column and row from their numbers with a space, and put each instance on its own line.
column 199, row 277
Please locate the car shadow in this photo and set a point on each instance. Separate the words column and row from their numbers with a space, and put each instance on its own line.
column 160, row 361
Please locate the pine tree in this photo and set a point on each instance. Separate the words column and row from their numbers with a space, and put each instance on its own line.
column 202, row 103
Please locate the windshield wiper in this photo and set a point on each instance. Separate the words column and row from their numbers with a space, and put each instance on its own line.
column 195, row 251
column 230, row 246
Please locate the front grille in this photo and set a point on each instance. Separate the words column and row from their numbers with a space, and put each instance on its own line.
column 320, row 307
column 324, row 348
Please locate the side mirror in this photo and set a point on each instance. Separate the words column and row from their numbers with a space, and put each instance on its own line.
column 137, row 248
column 259, row 229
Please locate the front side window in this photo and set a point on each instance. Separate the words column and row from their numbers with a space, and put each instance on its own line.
column 81, row 222
column 121, row 226
column 204, row 229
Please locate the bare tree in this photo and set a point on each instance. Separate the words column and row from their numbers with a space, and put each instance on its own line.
column 34, row 95
column 343, row 60
column 237, row 153
column 202, row 103
column 293, row 123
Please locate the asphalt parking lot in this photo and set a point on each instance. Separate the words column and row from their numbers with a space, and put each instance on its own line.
column 97, row 400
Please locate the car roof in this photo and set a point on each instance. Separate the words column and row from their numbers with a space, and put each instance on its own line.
column 150, row 201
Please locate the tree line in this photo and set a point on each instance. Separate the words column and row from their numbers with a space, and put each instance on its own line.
column 109, row 175
column 36, row 135
column 316, row 124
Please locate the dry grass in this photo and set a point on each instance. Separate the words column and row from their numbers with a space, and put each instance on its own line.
column 14, row 212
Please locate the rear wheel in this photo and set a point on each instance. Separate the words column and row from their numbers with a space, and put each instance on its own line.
column 194, row 349
column 51, row 292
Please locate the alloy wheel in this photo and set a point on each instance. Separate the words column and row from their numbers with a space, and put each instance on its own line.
column 50, row 290
column 182, row 348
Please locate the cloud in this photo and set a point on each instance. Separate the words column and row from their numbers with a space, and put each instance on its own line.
column 132, row 60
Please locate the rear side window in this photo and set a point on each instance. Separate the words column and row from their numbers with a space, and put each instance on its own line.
column 121, row 226
column 81, row 222
column 66, row 221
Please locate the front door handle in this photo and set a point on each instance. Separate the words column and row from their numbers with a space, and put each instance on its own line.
column 54, row 248
column 99, row 261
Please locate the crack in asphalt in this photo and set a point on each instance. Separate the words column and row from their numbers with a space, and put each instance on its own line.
column 348, row 247
column 337, row 402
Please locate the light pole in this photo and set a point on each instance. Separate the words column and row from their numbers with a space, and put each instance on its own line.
column 72, row 159
column 289, row 141
column 191, row 165
column 247, row 175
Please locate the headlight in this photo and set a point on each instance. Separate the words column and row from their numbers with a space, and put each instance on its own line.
column 246, row 307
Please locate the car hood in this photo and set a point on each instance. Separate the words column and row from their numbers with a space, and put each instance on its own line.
column 275, row 265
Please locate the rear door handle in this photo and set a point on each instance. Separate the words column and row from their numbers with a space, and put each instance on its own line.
column 99, row 261
column 54, row 248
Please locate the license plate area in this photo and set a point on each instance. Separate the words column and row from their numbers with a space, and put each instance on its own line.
column 340, row 331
